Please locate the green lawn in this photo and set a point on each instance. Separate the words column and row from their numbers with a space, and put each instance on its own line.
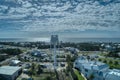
column 112, row 65
column 80, row 77
column 41, row 77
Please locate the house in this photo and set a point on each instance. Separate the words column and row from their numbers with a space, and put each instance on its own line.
column 9, row 72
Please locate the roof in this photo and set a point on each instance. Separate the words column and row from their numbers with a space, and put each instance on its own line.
column 87, row 66
column 15, row 61
column 91, row 65
column 113, row 75
column 8, row 70
column 99, row 66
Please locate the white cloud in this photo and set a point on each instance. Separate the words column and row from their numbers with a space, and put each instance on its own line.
column 51, row 17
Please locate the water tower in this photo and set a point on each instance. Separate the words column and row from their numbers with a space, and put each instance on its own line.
column 54, row 42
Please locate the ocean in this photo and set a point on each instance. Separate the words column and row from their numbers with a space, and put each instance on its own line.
column 76, row 40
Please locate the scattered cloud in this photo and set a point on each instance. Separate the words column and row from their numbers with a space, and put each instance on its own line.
column 64, row 16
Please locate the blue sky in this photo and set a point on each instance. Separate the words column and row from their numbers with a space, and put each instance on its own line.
column 76, row 18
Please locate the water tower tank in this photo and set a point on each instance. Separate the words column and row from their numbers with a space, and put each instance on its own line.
column 54, row 39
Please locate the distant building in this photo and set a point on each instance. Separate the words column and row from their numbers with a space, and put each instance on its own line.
column 9, row 72
column 1, row 46
column 27, row 65
column 38, row 53
column 92, row 56
column 72, row 50
column 118, row 54
column 3, row 54
column 15, row 63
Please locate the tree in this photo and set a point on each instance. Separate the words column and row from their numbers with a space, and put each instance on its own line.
column 91, row 77
column 39, row 71
column 110, row 62
column 2, row 58
column 11, row 51
column 68, row 58
column 116, row 62
column 113, row 54
column 32, row 70
column 48, row 78
column 25, row 58
column 88, row 57
column 99, row 60
column 105, row 61
column 69, row 67
column 33, row 66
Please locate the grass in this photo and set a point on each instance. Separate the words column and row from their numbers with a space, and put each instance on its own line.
column 112, row 65
column 37, row 77
column 41, row 77
column 80, row 77
column 87, row 52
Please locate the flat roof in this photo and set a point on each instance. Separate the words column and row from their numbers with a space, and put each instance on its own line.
column 113, row 74
column 8, row 70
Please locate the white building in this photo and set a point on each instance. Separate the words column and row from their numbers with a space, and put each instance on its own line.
column 100, row 71
column 15, row 63
column 9, row 72
column 112, row 75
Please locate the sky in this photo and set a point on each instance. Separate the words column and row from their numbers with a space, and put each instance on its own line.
column 67, row 18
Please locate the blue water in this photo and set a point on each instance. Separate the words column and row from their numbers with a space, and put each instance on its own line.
column 114, row 40
column 76, row 40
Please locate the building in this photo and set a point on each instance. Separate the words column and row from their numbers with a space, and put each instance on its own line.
column 1, row 46
column 94, row 68
column 112, row 75
column 118, row 54
column 15, row 63
column 9, row 72
column 72, row 50
column 98, row 70
column 36, row 53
